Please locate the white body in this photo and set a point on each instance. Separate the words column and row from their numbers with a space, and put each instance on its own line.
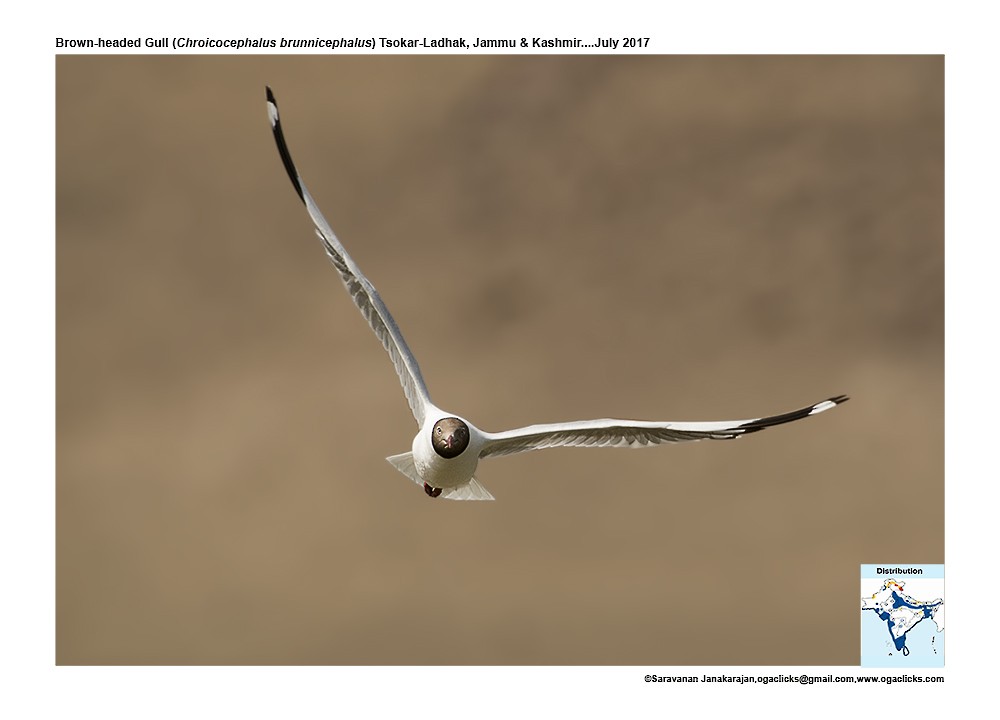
column 441, row 472
column 455, row 476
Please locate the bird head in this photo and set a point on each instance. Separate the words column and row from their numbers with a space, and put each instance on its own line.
column 449, row 437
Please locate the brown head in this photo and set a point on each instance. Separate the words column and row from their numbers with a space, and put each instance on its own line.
column 450, row 437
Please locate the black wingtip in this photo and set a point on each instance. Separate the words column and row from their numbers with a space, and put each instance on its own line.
column 279, row 139
column 771, row 421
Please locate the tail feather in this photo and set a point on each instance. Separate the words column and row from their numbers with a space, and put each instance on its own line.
column 404, row 463
column 472, row 490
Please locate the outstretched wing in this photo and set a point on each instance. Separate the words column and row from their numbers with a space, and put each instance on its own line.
column 634, row 433
column 363, row 292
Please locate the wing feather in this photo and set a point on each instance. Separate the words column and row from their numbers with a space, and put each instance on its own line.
column 635, row 433
column 362, row 292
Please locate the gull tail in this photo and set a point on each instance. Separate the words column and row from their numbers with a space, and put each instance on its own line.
column 472, row 490
column 404, row 463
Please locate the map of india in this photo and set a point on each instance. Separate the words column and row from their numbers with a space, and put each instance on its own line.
column 901, row 614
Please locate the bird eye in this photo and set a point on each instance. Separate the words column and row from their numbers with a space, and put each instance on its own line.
column 439, row 431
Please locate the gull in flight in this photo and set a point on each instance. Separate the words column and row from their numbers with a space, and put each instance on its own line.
column 447, row 448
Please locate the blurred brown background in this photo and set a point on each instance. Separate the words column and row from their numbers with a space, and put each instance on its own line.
column 672, row 238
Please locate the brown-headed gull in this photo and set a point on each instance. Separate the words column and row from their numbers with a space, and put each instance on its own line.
column 447, row 448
